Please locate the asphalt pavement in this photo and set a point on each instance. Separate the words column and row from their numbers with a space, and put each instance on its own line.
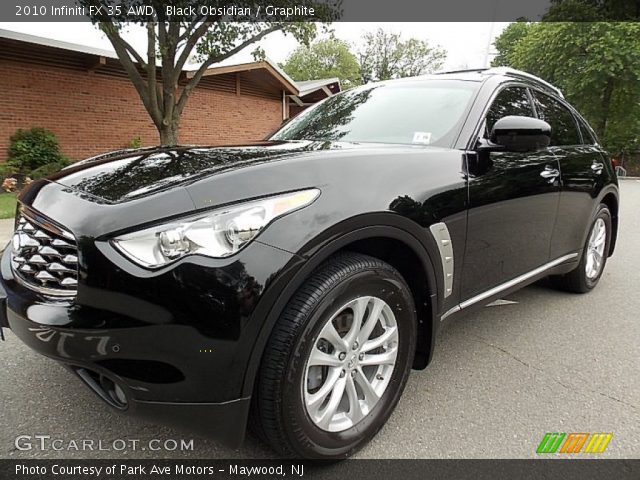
column 502, row 377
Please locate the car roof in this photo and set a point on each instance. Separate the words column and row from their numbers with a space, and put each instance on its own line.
column 481, row 74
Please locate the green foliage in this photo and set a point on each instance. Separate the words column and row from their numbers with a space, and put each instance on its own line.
column 33, row 153
column 508, row 40
column 6, row 170
column 7, row 205
column 31, row 149
column 592, row 10
column 136, row 142
column 595, row 64
column 324, row 59
column 385, row 56
column 223, row 37
column 49, row 169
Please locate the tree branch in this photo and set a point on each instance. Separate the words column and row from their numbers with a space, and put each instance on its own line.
column 129, row 66
column 190, row 27
column 188, row 89
column 190, row 44
column 154, row 109
column 114, row 36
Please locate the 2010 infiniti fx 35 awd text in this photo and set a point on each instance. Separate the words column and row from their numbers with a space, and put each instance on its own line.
column 292, row 284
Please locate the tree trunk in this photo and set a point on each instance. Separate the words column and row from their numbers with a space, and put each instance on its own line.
column 606, row 104
column 169, row 134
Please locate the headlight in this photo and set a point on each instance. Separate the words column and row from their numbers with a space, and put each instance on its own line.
column 218, row 233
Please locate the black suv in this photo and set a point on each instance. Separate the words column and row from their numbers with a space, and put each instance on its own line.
column 295, row 282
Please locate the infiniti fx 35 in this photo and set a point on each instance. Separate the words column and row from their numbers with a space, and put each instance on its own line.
column 292, row 284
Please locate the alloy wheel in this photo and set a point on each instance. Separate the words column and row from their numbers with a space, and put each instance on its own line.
column 350, row 364
column 595, row 249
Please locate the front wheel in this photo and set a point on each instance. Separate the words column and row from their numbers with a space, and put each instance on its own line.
column 337, row 360
column 594, row 256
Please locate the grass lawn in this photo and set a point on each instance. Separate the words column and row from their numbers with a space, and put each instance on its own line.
column 7, row 205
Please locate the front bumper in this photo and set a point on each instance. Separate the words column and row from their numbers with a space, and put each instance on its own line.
column 177, row 344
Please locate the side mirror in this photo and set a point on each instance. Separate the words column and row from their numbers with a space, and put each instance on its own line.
column 521, row 134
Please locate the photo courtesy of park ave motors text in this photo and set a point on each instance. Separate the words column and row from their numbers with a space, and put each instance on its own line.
column 312, row 232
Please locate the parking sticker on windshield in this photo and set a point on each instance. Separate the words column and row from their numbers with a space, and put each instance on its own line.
column 422, row 137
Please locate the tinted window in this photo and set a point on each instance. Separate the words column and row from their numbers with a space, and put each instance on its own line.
column 587, row 136
column 564, row 130
column 427, row 112
column 510, row 101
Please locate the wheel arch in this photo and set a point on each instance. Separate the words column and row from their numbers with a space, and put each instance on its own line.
column 611, row 200
column 418, row 262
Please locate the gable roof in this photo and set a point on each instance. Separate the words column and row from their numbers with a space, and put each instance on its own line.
column 49, row 42
column 309, row 86
column 267, row 66
column 270, row 66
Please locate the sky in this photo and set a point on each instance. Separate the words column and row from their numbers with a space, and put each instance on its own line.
column 468, row 45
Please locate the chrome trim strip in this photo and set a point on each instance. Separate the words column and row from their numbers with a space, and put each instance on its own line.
column 51, row 292
column 44, row 223
column 442, row 237
column 504, row 286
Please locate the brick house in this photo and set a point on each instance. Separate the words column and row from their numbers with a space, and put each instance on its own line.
column 83, row 95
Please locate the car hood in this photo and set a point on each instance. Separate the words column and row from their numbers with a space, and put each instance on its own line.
column 116, row 192
column 127, row 175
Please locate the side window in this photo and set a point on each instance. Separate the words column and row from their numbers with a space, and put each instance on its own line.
column 510, row 101
column 564, row 130
column 587, row 136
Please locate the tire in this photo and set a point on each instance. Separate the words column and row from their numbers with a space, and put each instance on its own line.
column 579, row 280
column 284, row 395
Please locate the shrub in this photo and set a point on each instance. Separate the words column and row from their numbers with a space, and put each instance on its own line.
column 136, row 142
column 7, row 170
column 32, row 149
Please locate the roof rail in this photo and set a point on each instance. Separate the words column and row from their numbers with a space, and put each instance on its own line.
column 518, row 73
column 464, row 70
column 511, row 72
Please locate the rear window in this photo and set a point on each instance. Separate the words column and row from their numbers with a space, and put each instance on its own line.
column 587, row 136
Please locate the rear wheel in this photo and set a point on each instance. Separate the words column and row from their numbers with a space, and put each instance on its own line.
column 337, row 360
column 594, row 256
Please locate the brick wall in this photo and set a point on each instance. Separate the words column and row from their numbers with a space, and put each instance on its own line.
column 93, row 113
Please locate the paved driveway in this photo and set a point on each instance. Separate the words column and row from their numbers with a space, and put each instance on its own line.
column 501, row 378
column 6, row 229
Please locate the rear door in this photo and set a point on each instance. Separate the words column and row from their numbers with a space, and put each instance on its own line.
column 513, row 201
column 583, row 172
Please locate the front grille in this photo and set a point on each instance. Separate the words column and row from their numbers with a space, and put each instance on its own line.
column 45, row 257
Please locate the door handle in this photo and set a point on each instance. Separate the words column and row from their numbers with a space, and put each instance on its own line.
column 550, row 173
column 597, row 167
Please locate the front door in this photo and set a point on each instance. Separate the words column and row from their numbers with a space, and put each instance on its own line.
column 513, row 202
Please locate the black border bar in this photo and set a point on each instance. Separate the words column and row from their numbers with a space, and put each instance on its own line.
column 596, row 469
column 317, row 10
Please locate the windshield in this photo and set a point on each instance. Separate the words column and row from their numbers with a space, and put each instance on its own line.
column 425, row 112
